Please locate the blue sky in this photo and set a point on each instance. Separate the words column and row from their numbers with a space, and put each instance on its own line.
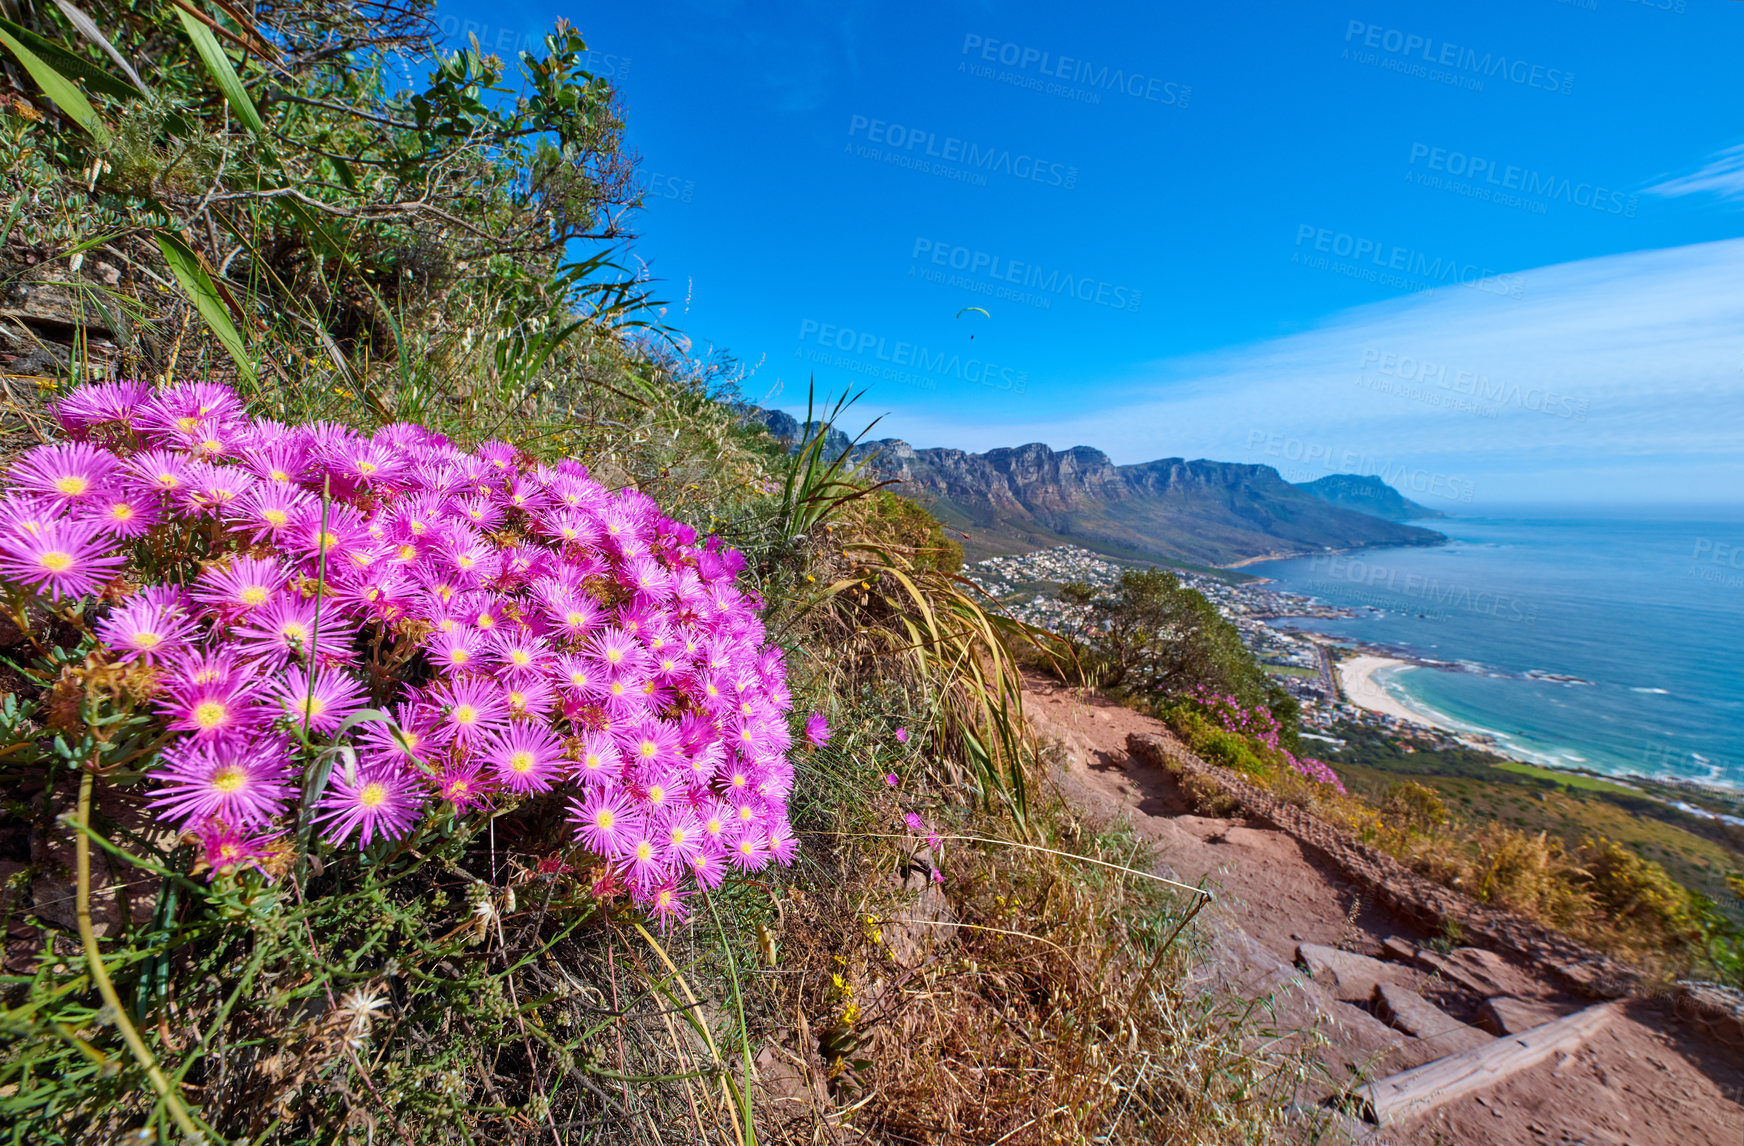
column 1486, row 248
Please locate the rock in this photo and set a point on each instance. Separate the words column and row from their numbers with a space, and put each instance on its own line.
column 1467, row 967
column 1718, row 1009
column 1347, row 976
column 1399, row 949
column 1506, row 1015
column 1410, row 1012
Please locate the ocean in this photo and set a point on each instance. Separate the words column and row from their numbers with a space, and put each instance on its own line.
column 1644, row 614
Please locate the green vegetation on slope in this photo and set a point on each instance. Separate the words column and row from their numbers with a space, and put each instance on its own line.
column 1699, row 853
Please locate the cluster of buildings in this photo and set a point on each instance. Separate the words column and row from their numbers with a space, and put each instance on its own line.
column 1027, row 587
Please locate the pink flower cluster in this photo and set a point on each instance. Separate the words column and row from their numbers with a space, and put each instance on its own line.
column 1260, row 724
column 528, row 630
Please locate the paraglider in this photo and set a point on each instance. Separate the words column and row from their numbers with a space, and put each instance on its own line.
column 976, row 309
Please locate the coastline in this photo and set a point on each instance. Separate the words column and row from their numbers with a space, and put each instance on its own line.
column 1356, row 681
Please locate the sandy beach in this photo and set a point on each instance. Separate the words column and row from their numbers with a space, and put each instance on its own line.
column 1355, row 678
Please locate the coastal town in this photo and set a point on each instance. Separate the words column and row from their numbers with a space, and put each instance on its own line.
column 1305, row 663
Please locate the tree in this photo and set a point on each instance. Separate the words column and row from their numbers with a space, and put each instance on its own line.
column 1157, row 637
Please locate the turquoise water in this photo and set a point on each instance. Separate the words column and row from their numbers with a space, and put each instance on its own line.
column 1648, row 611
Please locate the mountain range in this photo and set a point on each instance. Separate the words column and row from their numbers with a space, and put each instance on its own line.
column 1172, row 511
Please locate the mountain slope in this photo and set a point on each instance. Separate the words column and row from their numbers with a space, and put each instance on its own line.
column 1170, row 510
column 1366, row 493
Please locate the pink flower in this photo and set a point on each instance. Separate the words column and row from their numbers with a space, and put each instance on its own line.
column 60, row 558
column 224, row 849
column 146, row 630
column 890, row 778
column 235, row 781
column 525, row 759
column 817, row 730
column 901, row 735
column 376, row 803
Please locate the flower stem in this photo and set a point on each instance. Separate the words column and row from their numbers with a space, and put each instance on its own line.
column 100, row 974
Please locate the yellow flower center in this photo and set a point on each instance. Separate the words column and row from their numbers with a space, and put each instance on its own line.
column 228, row 779
column 604, row 819
column 366, row 468
column 295, row 630
column 279, row 475
column 465, row 562
column 55, row 560
column 185, row 424
column 459, row 656
column 277, row 518
column 521, row 658
column 648, row 749
column 578, row 679
column 656, row 794
column 209, row 714
column 145, row 639
column 521, row 762
column 168, row 480
column 644, row 851
column 575, row 619
column 465, row 714
column 714, row 827
column 254, row 596
column 517, row 700
column 486, row 621
column 121, row 511
column 372, row 796
column 228, row 852
column 664, row 898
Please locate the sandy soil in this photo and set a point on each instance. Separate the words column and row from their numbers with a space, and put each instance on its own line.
column 1647, row 1079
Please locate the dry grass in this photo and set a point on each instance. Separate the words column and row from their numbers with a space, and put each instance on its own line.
column 1031, row 997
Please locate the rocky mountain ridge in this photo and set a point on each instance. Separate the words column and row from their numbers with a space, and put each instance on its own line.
column 1171, row 510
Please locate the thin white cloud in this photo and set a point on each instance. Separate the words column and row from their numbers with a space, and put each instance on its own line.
column 1722, row 175
column 1617, row 378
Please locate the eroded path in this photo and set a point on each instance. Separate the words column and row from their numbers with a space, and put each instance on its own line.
column 1646, row 1079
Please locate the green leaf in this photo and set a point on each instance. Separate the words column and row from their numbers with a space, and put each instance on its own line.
column 222, row 72
column 69, row 64
column 186, row 265
column 65, row 94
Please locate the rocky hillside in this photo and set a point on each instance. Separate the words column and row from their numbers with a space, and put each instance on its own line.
column 1171, row 510
column 1366, row 493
